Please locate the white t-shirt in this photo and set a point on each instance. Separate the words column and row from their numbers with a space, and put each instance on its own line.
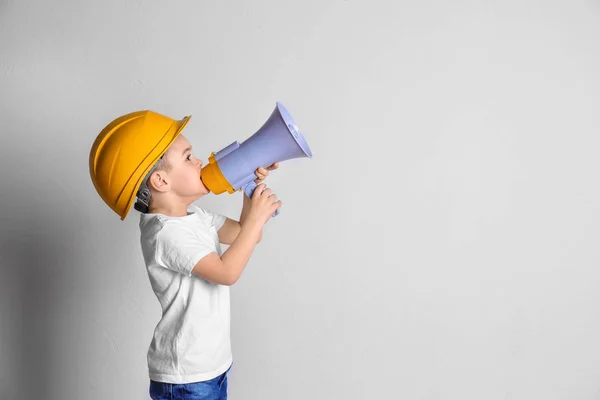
column 191, row 342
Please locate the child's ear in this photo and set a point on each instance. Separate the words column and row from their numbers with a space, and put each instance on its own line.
column 158, row 181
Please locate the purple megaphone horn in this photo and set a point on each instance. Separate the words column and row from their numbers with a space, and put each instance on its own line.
column 232, row 168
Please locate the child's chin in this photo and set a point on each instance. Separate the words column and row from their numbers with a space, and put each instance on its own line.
column 203, row 191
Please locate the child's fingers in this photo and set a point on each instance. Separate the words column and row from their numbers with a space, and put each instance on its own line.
column 259, row 176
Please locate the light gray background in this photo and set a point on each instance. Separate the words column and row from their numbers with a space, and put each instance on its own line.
column 441, row 244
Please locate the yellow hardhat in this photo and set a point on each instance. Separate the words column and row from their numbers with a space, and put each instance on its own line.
column 126, row 150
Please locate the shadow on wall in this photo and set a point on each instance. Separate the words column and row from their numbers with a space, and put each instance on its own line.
column 39, row 272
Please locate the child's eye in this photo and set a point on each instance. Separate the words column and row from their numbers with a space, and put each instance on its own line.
column 188, row 157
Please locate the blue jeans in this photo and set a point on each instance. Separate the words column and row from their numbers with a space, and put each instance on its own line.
column 213, row 389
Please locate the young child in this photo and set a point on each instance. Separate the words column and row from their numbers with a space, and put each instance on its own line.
column 190, row 352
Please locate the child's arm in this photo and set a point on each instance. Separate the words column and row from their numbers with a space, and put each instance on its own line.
column 231, row 228
column 245, row 208
column 227, row 269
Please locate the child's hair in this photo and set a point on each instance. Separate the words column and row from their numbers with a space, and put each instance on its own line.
column 144, row 194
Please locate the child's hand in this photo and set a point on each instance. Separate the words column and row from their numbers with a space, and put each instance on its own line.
column 263, row 205
column 262, row 173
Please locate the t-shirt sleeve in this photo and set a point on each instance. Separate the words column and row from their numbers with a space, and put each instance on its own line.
column 215, row 219
column 179, row 249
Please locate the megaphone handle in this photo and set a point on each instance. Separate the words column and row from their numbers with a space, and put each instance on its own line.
column 249, row 191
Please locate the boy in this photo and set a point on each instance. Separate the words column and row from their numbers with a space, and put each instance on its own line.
column 190, row 352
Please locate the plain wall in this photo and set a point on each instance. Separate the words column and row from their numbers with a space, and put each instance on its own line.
column 442, row 243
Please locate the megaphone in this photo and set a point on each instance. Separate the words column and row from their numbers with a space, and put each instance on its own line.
column 232, row 168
